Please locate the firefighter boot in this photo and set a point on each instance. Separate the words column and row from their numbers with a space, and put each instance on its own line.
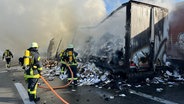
column 75, row 82
column 8, row 65
column 31, row 97
column 37, row 99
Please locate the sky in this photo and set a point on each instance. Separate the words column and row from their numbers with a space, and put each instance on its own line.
column 113, row 4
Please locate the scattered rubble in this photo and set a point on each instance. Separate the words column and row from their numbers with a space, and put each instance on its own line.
column 122, row 95
column 49, row 63
column 90, row 74
column 159, row 89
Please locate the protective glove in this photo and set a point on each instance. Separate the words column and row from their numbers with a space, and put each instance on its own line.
column 41, row 73
column 37, row 76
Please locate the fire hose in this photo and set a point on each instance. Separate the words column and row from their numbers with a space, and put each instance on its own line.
column 64, row 101
column 58, row 87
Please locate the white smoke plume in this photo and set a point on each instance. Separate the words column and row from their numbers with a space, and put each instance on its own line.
column 25, row 21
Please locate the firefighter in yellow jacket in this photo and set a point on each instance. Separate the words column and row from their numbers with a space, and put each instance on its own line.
column 33, row 69
column 63, row 66
column 69, row 57
column 7, row 55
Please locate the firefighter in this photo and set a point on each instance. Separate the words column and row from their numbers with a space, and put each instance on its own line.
column 33, row 70
column 69, row 58
column 63, row 66
column 7, row 55
column 21, row 61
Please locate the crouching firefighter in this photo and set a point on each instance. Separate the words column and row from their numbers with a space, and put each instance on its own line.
column 33, row 68
column 69, row 58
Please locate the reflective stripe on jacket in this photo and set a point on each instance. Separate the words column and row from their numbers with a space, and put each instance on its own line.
column 65, row 58
column 35, row 65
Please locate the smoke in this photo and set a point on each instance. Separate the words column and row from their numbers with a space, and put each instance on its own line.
column 22, row 22
column 104, row 38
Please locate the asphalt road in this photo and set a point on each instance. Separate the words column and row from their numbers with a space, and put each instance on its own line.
column 146, row 94
column 8, row 92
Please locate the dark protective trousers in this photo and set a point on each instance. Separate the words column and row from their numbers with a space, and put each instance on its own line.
column 32, row 87
column 74, row 70
column 8, row 62
column 63, row 66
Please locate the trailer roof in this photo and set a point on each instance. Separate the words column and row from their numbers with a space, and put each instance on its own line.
column 132, row 1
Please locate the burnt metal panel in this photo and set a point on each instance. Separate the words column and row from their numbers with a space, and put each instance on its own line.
column 127, row 35
column 140, row 26
column 146, row 20
column 160, row 17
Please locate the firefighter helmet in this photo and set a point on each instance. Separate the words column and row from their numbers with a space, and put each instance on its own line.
column 34, row 44
column 70, row 46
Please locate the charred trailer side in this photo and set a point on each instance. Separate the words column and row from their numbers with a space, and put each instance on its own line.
column 175, row 44
column 147, row 31
column 146, row 35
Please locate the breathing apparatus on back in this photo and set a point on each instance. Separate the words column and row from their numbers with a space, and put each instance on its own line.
column 28, row 57
column 70, row 53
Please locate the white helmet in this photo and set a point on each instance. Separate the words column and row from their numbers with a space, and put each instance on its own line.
column 34, row 44
column 70, row 46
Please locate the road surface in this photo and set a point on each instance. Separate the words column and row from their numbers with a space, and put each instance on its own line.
column 144, row 94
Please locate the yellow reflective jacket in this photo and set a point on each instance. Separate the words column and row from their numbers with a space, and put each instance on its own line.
column 35, row 65
column 69, row 57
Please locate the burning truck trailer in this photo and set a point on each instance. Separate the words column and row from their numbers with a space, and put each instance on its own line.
column 148, row 36
column 138, row 35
